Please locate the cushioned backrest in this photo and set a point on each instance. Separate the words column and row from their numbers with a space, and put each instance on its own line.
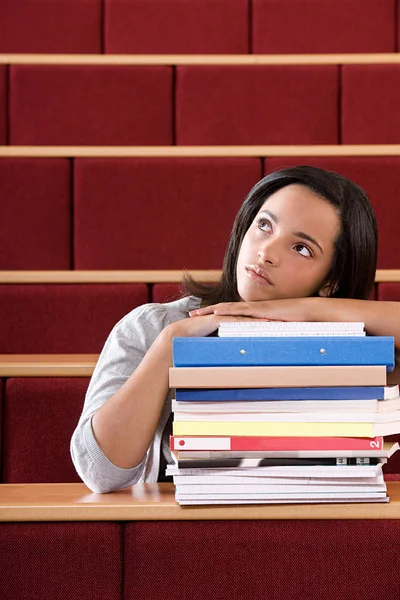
column 40, row 415
column 90, row 105
column 177, row 26
column 323, row 26
column 380, row 178
column 397, row 34
column 165, row 292
column 158, row 213
column 35, row 224
column 263, row 559
column 59, row 318
column 257, row 105
column 65, row 26
column 389, row 292
column 61, row 560
column 371, row 104
column 1, row 429
column 3, row 104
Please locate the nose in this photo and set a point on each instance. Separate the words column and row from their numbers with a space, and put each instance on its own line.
column 269, row 253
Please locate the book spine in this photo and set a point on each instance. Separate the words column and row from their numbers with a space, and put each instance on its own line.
column 200, row 428
column 285, row 406
column 256, row 377
column 273, row 462
column 288, row 351
column 219, row 454
column 293, row 394
column 276, row 443
column 325, row 471
column 290, row 417
column 275, row 492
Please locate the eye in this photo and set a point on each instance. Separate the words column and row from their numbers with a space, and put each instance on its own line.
column 303, row 250
column 264, row 224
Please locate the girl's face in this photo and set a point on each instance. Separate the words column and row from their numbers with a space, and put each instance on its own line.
column 288, row 250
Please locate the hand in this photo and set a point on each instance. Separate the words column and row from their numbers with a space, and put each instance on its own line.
column 296, row 309
column 201, row 326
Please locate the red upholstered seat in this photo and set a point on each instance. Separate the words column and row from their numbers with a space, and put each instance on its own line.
column 165, row 292
column 296, row 560
column 64, row 26
column 323, row 26
column 389, row 292
column 380, row 178
column 257, row 105
column 157, row 213
column 371, row 104
column 3, row 105
column 398, row 32
column 392, row 469
column 60, row 561
column 40, row 415
column 177, row 26
column 90, row 105
column 1, row 426
column 59, row 319
column 35, row 224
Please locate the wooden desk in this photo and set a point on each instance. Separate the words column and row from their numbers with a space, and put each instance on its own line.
column 47, row 365
column 155, row 502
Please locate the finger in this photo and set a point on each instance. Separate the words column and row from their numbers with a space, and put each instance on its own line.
column 205, row 310
column 239, row 309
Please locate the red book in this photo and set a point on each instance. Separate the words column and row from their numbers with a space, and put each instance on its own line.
column 251, row 443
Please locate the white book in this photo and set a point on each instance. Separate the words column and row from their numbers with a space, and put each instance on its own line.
column 303, row 417
column 298, row 406
column 216, row 488
column 232, row 500
column 292, row 328
column 282, row 481
column 277, row 498
column 287, row 471
column 253, row 482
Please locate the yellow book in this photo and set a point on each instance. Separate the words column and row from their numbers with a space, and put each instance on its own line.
column 367, row 430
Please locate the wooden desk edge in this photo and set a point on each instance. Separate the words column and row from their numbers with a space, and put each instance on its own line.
column 122, row 506
column 12, row 58
column 147, row 277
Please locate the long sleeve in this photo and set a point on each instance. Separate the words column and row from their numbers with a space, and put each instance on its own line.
column 123, row 351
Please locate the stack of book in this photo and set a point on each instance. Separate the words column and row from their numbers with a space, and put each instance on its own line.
column 282, row 413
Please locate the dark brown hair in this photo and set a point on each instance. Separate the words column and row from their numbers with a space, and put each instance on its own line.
column 352, row 272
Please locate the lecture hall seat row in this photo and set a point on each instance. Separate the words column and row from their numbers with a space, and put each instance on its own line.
column 176, row 560
column 198, row 26
column 66, row 318
column 77, row 318
column 117, row 104
column 155, row 213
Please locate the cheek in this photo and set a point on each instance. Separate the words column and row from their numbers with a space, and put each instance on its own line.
column 242, row 253
column 245, row 248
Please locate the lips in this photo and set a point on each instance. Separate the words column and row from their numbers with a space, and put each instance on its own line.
column 255, row 270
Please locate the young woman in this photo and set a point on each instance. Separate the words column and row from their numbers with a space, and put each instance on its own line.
column 303, row 248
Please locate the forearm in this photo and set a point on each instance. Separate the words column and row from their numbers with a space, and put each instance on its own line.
column 125, row 425
column 380, row 318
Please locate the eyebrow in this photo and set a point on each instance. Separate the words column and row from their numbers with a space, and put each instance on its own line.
column 299, row 234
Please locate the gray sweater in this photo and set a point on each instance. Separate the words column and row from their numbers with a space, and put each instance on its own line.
column 125, row 347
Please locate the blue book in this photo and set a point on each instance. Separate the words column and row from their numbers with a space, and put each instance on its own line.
column 283, row 351
column 325, row 393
